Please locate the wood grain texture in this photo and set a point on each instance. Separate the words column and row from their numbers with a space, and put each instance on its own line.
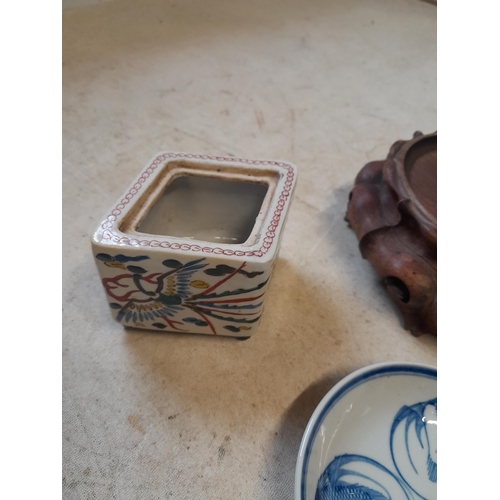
column 393, row 211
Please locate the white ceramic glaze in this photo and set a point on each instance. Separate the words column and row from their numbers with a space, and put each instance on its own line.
column 191, row 245
column 206, row 209
column 373, row 436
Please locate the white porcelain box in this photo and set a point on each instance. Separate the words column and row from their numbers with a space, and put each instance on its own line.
column 190, row 247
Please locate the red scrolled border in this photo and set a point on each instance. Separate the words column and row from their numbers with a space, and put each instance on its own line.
column 108, row 234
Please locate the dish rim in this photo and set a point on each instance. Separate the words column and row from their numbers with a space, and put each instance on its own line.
column 354, row 379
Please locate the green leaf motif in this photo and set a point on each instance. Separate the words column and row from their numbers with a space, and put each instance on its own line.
column 104, row 257
column 174, row 264
column 136, row 269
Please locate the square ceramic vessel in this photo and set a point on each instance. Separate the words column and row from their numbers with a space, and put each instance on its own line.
column 190, row 247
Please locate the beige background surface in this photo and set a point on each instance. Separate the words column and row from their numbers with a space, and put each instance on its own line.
column 328, row 85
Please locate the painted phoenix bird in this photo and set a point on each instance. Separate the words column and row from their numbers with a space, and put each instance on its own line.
column 141, row 296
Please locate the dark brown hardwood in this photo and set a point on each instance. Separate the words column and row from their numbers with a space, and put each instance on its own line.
column 393, row 211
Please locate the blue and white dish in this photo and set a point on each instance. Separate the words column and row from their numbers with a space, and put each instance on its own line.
column 373, row 437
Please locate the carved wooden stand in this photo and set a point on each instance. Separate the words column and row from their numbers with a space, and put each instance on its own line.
column 392, row 210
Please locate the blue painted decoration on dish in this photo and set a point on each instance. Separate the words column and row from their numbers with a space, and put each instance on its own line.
column 413, row 444
column 381, row 371
column 350, row 477
column 358, row 477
